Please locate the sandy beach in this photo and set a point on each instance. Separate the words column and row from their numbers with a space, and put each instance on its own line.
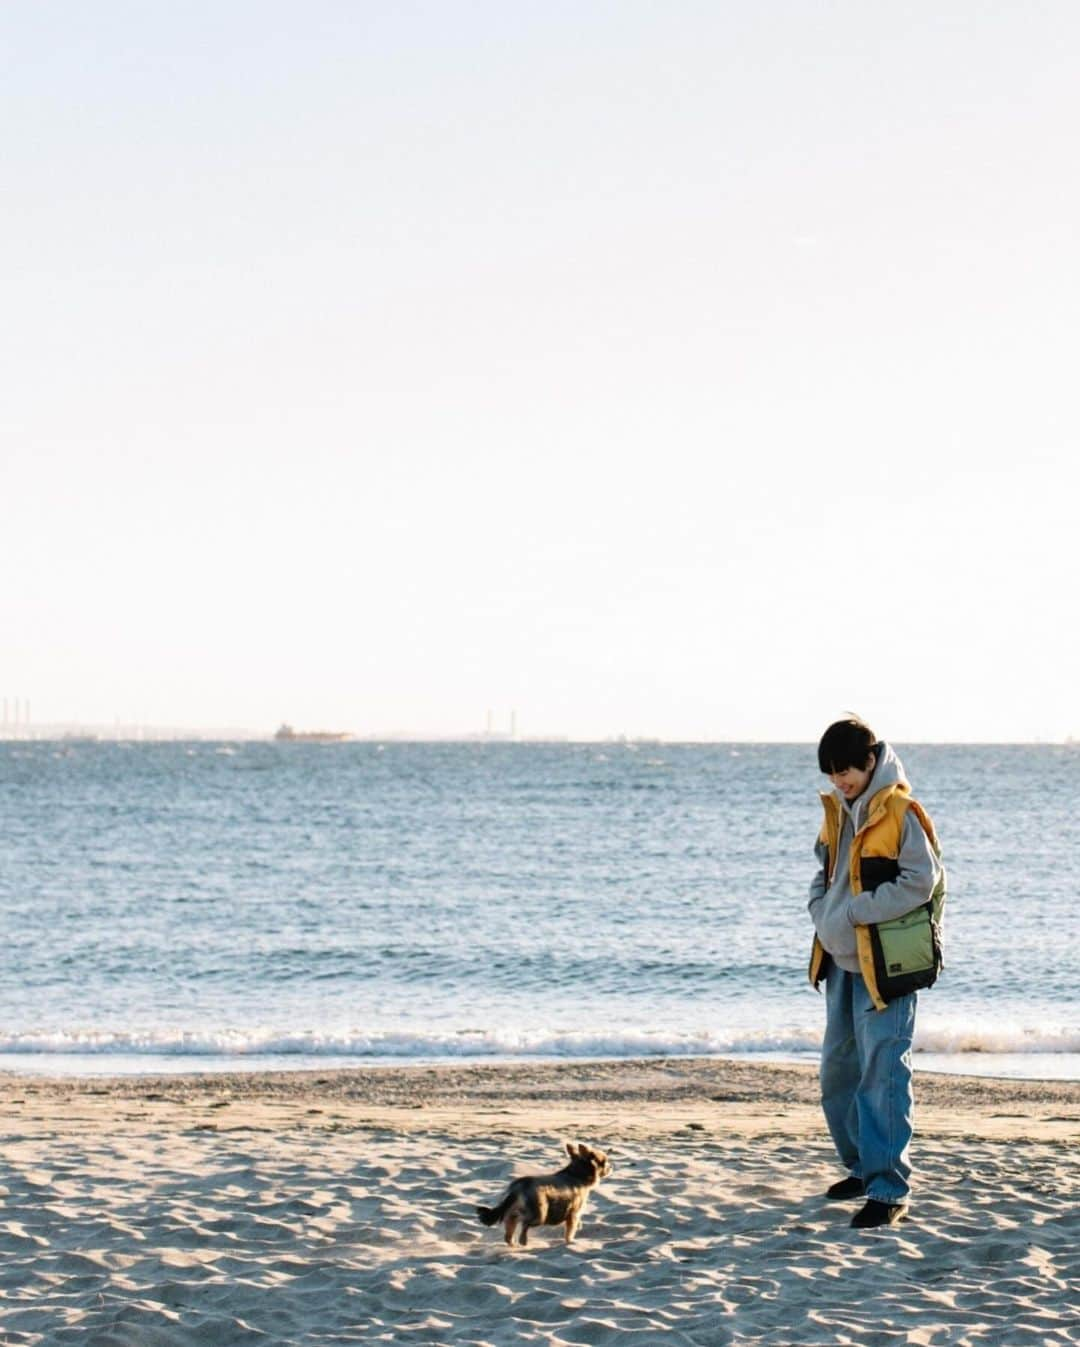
column 336, row 1207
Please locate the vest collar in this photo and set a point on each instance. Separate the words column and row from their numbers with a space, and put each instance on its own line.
column 875, row 809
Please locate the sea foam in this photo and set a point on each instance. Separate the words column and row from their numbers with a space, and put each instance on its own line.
column 942, row 1040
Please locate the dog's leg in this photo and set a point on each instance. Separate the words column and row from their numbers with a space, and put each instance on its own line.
column 524, row 1233
column 510, row 1227
column 572, row 1223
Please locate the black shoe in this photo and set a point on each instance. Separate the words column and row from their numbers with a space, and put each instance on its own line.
column 879, row 1213
column 849, row 1187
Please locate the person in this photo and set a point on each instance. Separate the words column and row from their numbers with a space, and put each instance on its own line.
column 876, row 904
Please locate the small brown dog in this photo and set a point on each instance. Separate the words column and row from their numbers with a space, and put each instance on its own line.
column 550, row 1199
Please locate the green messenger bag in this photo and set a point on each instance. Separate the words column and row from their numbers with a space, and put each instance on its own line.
column 908, row 953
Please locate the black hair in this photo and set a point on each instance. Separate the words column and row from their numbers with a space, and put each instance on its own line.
column 846, row 743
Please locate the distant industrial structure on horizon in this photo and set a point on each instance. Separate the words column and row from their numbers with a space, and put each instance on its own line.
column 121, row 732
column 21, row 712
column 490, row 732
column 17, row 725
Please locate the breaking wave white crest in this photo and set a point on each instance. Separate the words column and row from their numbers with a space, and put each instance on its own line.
column 943, row 1039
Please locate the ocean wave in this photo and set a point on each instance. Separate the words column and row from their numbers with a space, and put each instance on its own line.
column 401, row 1045
column 962, row 1039
column 406, row 1046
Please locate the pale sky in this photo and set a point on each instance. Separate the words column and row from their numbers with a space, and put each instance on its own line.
column 686, row 369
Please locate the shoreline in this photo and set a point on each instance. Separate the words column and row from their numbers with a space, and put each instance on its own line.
column 684, row 1084
column 107, row 1066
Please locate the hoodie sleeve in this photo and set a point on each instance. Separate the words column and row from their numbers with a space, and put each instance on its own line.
column 818, row 884
column 919, row 870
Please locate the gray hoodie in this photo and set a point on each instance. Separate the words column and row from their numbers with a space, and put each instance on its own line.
column 835, row 910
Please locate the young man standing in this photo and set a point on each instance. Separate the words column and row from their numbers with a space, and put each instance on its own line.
column 876, row 904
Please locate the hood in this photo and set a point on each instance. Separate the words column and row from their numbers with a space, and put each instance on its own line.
column 888, row 772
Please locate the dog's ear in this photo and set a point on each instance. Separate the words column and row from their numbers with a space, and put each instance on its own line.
column 570, row 1149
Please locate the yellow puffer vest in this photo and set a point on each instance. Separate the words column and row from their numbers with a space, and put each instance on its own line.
column 898, row 956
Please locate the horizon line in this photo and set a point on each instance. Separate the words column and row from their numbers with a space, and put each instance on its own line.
column 135, row 732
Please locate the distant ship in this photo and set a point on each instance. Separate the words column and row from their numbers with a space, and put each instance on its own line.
column 286, row 734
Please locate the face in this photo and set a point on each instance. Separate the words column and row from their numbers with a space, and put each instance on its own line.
column 853, row 780
column 602, row 1163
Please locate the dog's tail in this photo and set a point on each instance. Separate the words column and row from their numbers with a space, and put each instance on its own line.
column 493, row 1215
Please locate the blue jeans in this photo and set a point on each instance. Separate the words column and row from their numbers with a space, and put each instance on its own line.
column 866, row 1083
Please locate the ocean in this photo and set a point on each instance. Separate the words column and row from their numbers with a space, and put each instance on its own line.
column 199, row 906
